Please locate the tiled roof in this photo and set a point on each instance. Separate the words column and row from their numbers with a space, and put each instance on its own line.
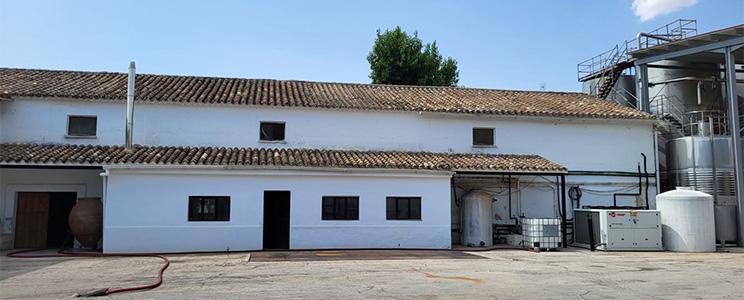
column 11, row 154
column 288, row 93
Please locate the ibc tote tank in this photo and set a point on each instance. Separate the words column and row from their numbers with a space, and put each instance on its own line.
column 477, row 219
column 687, row 220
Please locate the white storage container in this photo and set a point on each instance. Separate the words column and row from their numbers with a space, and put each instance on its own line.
column 687, row 220
column 477, row 219
column 544, row 233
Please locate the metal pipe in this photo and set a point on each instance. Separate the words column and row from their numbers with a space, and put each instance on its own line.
column 656, row 162
column 713, row 161
column 563, row 208
column 735, row 138
column 643, row 87
column 130, row 105
column 694, row 159
column 640, row 189
column 699, row 92
column 687, row 78
column 645, row 171
column 511, row 214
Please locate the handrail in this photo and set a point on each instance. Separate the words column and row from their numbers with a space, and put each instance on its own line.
column 622, row 94
column 676, row 30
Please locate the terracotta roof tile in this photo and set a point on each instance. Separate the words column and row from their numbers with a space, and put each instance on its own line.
column 12, row 154
column 267, row 92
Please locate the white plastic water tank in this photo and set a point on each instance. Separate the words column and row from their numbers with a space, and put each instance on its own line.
column 477, row 224
column 687, row 220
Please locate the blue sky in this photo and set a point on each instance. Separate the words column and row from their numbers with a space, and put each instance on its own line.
column 498, row 44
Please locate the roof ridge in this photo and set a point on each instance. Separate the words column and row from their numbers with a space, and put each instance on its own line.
column 101, row 155
column 292, row 80
column 189, row 89
column 164, row 147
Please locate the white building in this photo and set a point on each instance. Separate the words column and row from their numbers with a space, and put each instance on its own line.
column 245, row 164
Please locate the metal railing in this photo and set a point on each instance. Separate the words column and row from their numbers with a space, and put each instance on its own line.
column 664, row 108
column 676, row 30
column 626, row 97
column 699, row 122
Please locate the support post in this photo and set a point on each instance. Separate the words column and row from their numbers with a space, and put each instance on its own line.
column 563, row 209
column 735, row 138
column 643, row 92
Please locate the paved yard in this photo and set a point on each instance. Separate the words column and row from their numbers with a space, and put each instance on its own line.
column 500, row 274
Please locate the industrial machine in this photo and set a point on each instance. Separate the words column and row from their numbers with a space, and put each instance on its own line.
column 618, row 229
column 695, row 96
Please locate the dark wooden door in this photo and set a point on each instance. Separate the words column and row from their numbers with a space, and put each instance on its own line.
column 32, row 215
column 276, row 220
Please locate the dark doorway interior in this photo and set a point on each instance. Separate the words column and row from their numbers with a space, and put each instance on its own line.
column 58, row 232
column 42, row 219
column 276, row 220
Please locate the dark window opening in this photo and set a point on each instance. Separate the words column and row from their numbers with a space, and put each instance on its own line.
column 483, row 136
column 404, row 208
column 340, row 208
column 272, row 131
column 209, row 208
column 81, row 126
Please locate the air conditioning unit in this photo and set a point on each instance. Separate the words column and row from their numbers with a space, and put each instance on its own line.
column 618, row 229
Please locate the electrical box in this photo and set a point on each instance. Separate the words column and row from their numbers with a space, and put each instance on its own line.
column 618, row 229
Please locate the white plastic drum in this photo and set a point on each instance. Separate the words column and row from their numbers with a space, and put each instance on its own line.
column 687, row 220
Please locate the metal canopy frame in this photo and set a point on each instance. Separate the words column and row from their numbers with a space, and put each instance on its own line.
column 560, row 183
column 722, row 42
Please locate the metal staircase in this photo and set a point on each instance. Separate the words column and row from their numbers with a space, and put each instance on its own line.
column 607, row 67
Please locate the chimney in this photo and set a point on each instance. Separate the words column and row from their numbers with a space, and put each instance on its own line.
column 130, row 105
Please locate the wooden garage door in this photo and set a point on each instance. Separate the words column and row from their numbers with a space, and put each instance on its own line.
column 32, row 215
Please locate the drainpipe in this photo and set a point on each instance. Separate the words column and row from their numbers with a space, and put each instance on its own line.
column 130, row 105
column 699, row 92
column 104, row 195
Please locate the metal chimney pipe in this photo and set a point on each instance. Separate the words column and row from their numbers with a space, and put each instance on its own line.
column 130, row 105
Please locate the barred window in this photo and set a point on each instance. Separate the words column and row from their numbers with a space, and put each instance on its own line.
column 81, row 126
column 482, row 136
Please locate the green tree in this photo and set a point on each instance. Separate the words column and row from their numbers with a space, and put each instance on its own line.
column 399, row 58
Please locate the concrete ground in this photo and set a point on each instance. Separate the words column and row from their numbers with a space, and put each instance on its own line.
column 502, row 274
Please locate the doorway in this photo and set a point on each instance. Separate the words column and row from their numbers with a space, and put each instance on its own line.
column 276, row 220
column 42, row 219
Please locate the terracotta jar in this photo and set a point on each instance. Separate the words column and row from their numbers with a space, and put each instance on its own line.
column 86, row 221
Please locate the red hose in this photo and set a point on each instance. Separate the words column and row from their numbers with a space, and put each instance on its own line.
column 106, row 291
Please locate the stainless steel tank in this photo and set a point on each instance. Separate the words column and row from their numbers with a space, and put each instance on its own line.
column 623, row 92
column 691, row 161
column 674, row 86
column 477, row 219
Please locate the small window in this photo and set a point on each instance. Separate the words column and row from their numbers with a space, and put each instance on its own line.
column 81, row 126
column 340, row 208
column 404, row 208
column 272, row 131
column 482, row 136
column 209, row 208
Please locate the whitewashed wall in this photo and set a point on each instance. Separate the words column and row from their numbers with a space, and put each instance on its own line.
column 596, row 145
column 86, row 183
column 147, row 211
